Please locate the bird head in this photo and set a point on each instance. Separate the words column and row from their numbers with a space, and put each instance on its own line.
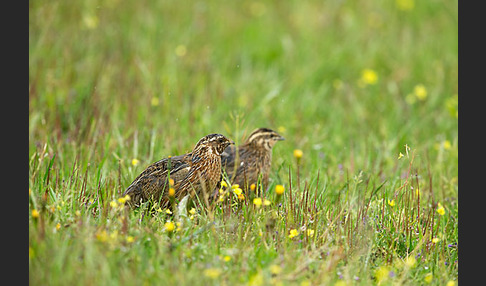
column 264, row 137
column 213, row 143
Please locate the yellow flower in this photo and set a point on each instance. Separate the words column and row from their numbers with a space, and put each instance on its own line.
column 382, row 274
column 227, row 258
column 440, row 209
column 58, row 226
column 102, row 236
column 420, row 92
column 275, row 269
column 298, row 154
column 279, row 189
column 154, row 101
column 281, row 129
column 369, row 76
column 130, row 239
column 135, row 162
column 435, row 240
column 192, row 211
column 171, row 182
column 90, row 21
column 169, row 226
column 167, row 211
column 171, row 192
column 35, row 213
column 310, row 232
column 451, row 283
column 235, row 186
column 180, row 50
column 159, row 210
column 293, row 233
column 241, row 197
column 400, row 156
column 391, row 203
column 113, row 204
column 446, row 144
column 223, row 184
column 238, row 191
column 121, row 200
column 266, row 202
column 212, row 273
column 252, row 187
column 428, row 278
column 405, row 5
column 257, row 201
column 410, row 261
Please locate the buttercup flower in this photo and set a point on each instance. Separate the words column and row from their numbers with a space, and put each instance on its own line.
column 293, row 233
column 279, row 189
column 169, row 226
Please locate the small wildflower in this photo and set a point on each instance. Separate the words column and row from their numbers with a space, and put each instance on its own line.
column 252, row 187
column 237, row 191
column 435, row 240
column 428, row 278
column 180, row 50
column 235, row 186
column 130, row 239
column 391, row 203
column 310, row 232
column 275, row 269
column 223, row 184
column 405, row 5
column 440, row 209
column 298, row 154
column 90, row 21
column 241, row 197
column 368, row 77
column 135, row 162
column 382, row 274
column 171, row 182
column 420, row 92
column 410, row 261
column 168, row 211
column 451, row 283
column 154, row 101
column 227, row 258
column 102, row 236
column 58, row 226
column 169, row 226
column 400, row 156
column 212, row 273
column 279, row 189
column 113, row 204
column 266, row 202
column 171, row 192
column 192, row 211
column 293, row 233
column 35, row 213
column 77, row 213
column 121, row 200
column 257, row 201
column 159, row 210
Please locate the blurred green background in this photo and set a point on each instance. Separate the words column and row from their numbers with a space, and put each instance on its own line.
column 350, row 83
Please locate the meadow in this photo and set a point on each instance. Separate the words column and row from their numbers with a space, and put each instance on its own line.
column 366, row 90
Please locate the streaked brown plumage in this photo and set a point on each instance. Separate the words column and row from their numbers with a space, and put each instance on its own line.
column 253, row 159
column 193, row 173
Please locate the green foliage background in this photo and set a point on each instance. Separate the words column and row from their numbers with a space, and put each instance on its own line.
column 111, row 81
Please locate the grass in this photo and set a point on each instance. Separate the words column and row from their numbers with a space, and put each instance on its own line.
column 366, row 89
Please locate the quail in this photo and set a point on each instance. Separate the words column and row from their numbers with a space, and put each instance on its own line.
column 192, row 173
column 252, row 160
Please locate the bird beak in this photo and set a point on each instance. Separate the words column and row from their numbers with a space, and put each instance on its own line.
column 280, row 138
column 231, row 142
